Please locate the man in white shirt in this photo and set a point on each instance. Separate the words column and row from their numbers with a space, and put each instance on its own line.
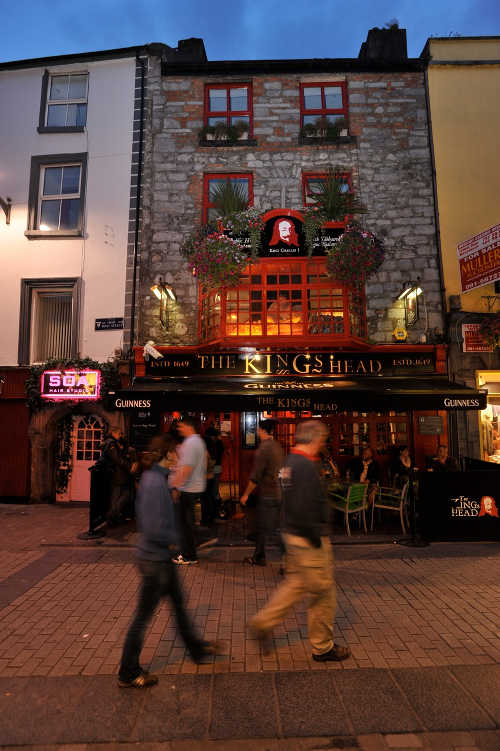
column 189, row 482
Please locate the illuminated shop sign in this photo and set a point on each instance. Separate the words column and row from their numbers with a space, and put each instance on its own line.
column 70, row 384
column 291, row 363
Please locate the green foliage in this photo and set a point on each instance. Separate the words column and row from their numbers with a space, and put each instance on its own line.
column 355, row 257
column 215, row 259
column 229, row 198
column 110, row 379
column 64, row 463
column 333, row 200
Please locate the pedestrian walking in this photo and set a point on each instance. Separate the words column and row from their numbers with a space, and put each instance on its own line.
column 309, row 557
column 158, row 538
column 265, row 477
column 188, row 484
column 116, row 457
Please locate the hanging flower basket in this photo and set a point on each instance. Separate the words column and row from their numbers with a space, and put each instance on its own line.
column 490, row 330
column 215, row 259
column 356, row 256
column 246, row 223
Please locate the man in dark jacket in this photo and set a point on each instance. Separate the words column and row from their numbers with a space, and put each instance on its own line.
column 364, row 468
column 309, row 558
column 156, row 522
column 264, row 477
column 115, row 456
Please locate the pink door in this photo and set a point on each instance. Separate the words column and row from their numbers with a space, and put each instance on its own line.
column 88, row 432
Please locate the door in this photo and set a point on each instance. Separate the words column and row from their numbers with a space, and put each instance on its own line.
column 87, row 437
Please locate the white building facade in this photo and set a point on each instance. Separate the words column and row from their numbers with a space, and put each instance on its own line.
column 70, row 151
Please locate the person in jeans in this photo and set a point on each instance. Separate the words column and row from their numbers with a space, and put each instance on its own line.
column 189, row 483
column 265, row 476
column 309, row 558
column 115, row 454
column 156, row 522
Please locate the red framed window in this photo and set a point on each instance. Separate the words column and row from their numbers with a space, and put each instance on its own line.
column 278, row 300
column 311, row 183
column 229, row 104
column 327, row 100
column 211, row 181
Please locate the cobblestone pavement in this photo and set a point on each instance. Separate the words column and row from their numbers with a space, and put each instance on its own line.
column 421, row 622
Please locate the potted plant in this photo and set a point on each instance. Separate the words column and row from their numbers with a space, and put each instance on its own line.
column 229, row 198
column 247, row 222
column 238, row 131
column 308, row 131
column 355, row 256
column 207, row 133
column 220, row 132
column 342, row 127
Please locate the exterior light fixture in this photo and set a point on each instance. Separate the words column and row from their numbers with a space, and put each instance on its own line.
column 6, row 205
column 164, row 292
column 409, row 295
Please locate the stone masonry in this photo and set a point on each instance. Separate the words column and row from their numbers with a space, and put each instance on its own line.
column 388, row 158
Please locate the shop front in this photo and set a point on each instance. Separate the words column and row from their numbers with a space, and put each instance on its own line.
column 385, row 397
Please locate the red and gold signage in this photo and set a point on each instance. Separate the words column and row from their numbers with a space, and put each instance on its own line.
column 70, row 384
column 479, row 259
column 473, row 341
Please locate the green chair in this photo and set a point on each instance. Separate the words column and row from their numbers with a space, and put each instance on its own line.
column 352, row 501
column 391, row 499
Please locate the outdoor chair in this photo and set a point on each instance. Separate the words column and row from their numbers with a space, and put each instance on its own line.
column 352, row 501
column 391, row 499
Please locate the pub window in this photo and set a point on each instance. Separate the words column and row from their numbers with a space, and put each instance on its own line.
column 242, row 184
column 63, row 105
column 325, row 100
column 48, row 326
column 56, row 195
column 229, row 104
column 283, row 299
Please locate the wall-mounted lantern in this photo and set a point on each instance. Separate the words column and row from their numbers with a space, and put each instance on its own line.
column 409, row 295
column 6, row 206
column 164, row 292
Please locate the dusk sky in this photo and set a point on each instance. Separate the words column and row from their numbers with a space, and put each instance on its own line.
column 233, row 29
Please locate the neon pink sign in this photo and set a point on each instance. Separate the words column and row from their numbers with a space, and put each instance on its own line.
column 70, row 384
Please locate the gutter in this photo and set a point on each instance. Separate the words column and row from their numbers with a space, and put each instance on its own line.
column 138, row 205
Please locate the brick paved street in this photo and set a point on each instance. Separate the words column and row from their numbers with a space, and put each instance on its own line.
column 415, row 619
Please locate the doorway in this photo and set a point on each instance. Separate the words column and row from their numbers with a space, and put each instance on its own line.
column 86, row 441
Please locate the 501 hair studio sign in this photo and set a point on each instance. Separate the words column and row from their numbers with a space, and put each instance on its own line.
column 70, row 384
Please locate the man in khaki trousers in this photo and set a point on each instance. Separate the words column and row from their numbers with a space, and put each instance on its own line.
column 309, row 558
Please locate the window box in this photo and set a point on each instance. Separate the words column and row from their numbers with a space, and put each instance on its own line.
column 63, row 106
column 56, row 195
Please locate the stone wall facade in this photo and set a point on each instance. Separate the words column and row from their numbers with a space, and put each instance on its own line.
column 388, row 158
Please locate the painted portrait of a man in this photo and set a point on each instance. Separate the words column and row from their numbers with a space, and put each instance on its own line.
column 284, row 232
column 488, row 506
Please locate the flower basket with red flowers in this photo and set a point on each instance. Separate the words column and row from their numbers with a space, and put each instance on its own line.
column 215, row 259
column 355, row 256
column 490, row 330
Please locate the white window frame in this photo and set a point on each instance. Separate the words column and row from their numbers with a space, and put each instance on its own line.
column 67, row 102
column 59, row 196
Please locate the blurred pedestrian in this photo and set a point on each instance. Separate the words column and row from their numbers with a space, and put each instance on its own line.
column 188, row 483
column 158, row 538
column 114, row 454
column 265, row 478
column 309, row 557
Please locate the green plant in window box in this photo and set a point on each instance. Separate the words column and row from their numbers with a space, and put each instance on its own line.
column 207, row 133
column 238, row 131
column 308, row 131
column 355, row 256
column 341, row 127
column 229, row 198
column 221, row 132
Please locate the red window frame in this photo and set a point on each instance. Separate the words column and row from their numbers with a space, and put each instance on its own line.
column 221, row 176
column 323, row 110
column 228, row 113
column 306, row 176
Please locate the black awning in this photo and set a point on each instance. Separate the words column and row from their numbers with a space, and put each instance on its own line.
column 315, row 394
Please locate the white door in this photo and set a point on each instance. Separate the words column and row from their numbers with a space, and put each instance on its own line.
column 87, row 441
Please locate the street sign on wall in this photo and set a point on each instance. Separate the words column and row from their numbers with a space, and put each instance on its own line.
column 472, row 339
column 479, row 259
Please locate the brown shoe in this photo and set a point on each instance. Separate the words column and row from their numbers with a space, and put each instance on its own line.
column 264, row 638
column 335, row 654
column 142, row 681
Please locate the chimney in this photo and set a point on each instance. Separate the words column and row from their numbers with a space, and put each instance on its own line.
column 187, row 51
column 384, row 46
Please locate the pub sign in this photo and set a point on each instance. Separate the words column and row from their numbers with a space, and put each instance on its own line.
column 70, row 384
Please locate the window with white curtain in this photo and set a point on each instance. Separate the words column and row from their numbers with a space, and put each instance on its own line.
column 49, row 315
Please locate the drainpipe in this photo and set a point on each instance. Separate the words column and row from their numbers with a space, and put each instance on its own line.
column 453, row 428
column 138, row 206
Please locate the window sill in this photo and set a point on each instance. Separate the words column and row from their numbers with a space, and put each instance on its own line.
column 320, row 140
column 61, row 129
column 244, row 142
column 40, row 234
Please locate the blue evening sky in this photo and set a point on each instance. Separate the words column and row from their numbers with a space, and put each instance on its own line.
column 233, row 29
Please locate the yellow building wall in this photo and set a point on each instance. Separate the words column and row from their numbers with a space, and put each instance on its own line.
column 465, row 115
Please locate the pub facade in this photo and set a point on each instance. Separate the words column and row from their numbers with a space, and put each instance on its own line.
column 281, row 332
